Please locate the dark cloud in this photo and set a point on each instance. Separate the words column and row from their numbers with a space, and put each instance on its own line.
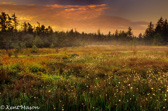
column 145, row 10
column 61, row 2
column 77, row 2
column 111, row 23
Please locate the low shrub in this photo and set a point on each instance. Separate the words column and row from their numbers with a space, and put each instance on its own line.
column 34, row 49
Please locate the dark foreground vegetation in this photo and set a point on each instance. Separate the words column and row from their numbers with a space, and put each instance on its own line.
column 11, row 36
column 92, row 78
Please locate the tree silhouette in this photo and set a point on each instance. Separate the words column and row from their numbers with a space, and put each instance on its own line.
column 165, row 31
column 5, row 22
column 129, row 33
column 159, row 26
column 149, row 31
column 15, row 22
column 25, row 27
column 29, row 28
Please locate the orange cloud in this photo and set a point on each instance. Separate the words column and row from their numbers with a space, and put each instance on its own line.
column 7, row 3
column 31, row 4
column 88, row 18
column 70, row 9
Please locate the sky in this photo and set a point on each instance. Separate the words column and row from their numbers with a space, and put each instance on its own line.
column 88, row 15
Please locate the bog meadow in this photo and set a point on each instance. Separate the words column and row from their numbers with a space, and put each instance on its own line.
column 72, row 71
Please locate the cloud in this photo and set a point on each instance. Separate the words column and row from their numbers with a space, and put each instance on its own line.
column 108, row 23
column 7, row 3
column 78, row 7
column 88, row 18
column 61, row 2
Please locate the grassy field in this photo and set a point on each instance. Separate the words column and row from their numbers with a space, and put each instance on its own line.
column 93, row 78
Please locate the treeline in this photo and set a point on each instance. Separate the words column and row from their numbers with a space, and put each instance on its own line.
column 24, row 35
column 157, row 35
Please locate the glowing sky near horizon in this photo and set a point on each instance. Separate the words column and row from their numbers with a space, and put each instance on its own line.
column 89, row 15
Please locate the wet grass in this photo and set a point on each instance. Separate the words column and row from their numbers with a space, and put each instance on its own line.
column 87, row 78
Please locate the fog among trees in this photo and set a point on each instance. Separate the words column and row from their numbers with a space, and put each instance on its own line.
column 43, row 36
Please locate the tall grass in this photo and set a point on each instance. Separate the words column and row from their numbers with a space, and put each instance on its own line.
column 94, row 78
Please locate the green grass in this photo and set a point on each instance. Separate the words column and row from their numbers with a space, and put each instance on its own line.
column 87, row 78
